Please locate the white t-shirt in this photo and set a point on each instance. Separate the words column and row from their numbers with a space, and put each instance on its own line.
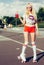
column 29, row 19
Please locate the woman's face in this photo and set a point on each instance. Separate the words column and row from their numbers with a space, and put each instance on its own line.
column 29, row 7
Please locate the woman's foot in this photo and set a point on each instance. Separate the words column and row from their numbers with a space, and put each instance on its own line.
column 22, row 58
column 34, row 61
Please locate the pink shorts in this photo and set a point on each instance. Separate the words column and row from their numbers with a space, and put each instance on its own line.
column 29, row 29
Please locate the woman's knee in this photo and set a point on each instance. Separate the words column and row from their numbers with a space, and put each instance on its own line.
column 33, row 43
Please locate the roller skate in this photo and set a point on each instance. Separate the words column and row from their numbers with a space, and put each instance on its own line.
column 22, row 58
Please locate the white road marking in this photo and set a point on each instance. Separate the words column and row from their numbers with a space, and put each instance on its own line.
column 3, row 38
column 21, row 43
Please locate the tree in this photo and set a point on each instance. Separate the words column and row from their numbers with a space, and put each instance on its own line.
column 11, row 20
column 5, row 19
column 40, row 14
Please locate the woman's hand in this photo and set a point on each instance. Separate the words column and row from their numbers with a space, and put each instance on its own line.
column 22, row 21
column 19, row 17
column 37, row 32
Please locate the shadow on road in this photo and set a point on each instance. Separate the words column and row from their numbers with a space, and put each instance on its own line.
column 39, row 57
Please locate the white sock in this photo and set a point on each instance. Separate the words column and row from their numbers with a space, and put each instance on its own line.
column 34, row 51
column 24, row 48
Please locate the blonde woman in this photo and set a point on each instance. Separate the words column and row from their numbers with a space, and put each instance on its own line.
column 30, row 26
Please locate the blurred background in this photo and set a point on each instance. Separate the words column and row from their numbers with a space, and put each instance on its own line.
column 10, row 9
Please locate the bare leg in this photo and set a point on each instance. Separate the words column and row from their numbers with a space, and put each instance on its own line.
column 22, row 55
column 33, row 38
column 25, row 42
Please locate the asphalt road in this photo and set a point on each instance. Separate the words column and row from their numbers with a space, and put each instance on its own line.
column 11, row 45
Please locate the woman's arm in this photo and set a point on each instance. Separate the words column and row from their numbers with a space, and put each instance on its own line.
column 36, row 26
column 22, row 21
column 36, row 29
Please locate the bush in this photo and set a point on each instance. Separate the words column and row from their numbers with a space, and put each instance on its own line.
column 41, row 24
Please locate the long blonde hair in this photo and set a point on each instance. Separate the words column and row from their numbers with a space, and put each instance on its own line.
column 33, row 11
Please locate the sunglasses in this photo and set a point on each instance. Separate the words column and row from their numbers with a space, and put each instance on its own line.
column 28, row 7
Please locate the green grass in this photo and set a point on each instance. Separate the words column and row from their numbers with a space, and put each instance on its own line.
column 41, row 24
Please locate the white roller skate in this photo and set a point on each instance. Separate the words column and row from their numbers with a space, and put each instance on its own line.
column 22, row 58
column 34, row 60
